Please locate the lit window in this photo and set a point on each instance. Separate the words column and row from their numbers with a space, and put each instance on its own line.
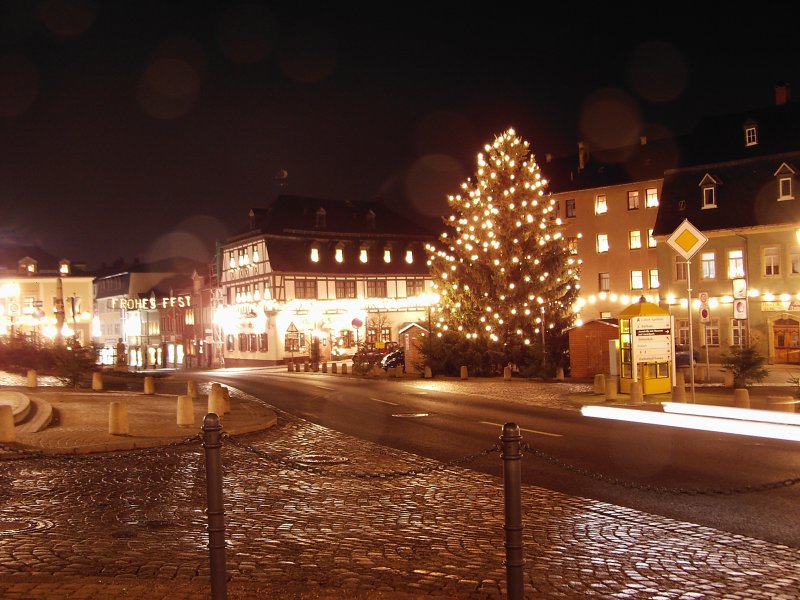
column 339, row 255
column 570, row 208
column 345, row 288
column 255, row 254
column 409, row 256
column 414, row 287
column 738, row 332
column 651, row 198
column 785, row 188
column 634, row 240
column 603, row 282
column 376, row 288
column 682, row 325
column 772, row 261
column 232, row 262
column 653, row 279
column 572, row 245
column 362, row 256
column 750, row 136
column 794, row 260
column 709, row 197
column 600, row 206
column 735, row 264
column 64, row 268
column 708, row 265
column 633, row 200
column 651, row 241
column 31, row 268
column 387, row 255
column 315, row 254
column 602, row 242
column 637, row 280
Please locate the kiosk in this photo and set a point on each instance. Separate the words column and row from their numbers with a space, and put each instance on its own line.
column 645, row 342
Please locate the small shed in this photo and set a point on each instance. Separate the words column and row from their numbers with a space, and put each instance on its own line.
column 589, row 347
column 412, row 336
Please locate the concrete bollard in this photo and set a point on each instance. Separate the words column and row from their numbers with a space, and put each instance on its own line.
column 728, row 376
column 344, row 369
column 226, row 399
column 290, row 367
column 611, row 388
column 636, row 392
column 741, row 398
column 506, row 373
column 560, row 374
column 7, row 431
column 334, row 368
column 185, row 411
column 97, row 381
column 599, row 384
column 464, row 374
column 118, row 418
column 149, row 386
column 216, row 401
column 390, row 372
column 680, row 379
column 191, row 388
column 324, row 367
column 427, row 373
column 306, row 367
column 782, row 403
column 33, row 379
column 679, row 394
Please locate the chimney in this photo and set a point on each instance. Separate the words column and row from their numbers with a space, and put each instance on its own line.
column 548, row 158
column 251, row 219
column 643, row 140
column 583, row 155
column 781, row 93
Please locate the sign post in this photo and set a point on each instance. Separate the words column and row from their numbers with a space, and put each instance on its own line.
column 686, row 240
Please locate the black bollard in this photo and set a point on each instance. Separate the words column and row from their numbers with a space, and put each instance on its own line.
column 215, row 511
column 512, row 488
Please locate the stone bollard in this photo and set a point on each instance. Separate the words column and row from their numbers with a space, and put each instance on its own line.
column 679, row 394
column 315, row 367
column 741, row 398
column 464, row 374
column 324, row 367
column 427, row 374
column 391, row 372
column 506, row 373
column 680, row 379
column 296, row 367
column 728, row 375
column 344, row 369
column 226, row 399
column 7, row 431
column 118, row 418
column 185, row 411
column 782, row 403
column 33, row 380
column 334, row 368
column 636, row 392
column 306, row 367
column 216, row 401
column 560, row 374
column 149, row 386
column 290, row 367
column 97, row 381
column 599, row 384
column 191, row 388
column 611, row 388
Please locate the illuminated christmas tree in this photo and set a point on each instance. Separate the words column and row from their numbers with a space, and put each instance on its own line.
column 503, row 271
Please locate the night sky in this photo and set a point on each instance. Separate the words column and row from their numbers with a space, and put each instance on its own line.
column 148, row 129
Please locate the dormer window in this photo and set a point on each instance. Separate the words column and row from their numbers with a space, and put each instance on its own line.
column 321, row 218
column 338, row 254
column 409, row 256
column 362, row 255
column 27, row 266
column 63, row 267
column 314, row 254
column 708, row 186
column 750, row 135
column 785, row 175
column 387, row 255
column 255, row 254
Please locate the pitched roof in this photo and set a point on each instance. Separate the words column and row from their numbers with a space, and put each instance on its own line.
column 11, row 254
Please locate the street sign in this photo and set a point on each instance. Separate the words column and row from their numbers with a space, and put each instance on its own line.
column 357, row 323
column 703, row 297
column 13, row 308
column 739, row 288
column 705, row 315
column 739, row 309
column 686, row 240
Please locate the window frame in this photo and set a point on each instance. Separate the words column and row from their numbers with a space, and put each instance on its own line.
column 570, row 208
column 604, row 277
column 733, row 263
column 787, row 179
column 709, row 192
column 708, row 266
column 307, row 285
column 651, row 198
column 633, row 195
column 711, row 330
column 345, row 289
column 652, row 275
column 774, row 264
column 751, row 135
column 600, row 206
column 637, row 276
column 374, row 286
column 651, row 241
column 607, row 248
column 681, row 269
column 635, row 237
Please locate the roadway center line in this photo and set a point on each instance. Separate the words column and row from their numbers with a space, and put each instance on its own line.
column 322, row 387
column 523, row 429
column 385, row 402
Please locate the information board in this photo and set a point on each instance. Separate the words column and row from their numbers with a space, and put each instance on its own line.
column 652, row 339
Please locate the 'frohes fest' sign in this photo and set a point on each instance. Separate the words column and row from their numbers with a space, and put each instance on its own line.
column 150, row 303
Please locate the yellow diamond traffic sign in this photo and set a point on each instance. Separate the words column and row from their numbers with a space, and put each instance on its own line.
column 686, row 240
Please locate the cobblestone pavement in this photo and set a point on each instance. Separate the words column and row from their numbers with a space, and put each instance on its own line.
column 306, row 517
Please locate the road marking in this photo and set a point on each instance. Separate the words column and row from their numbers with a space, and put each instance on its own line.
column 536, row 431
column 385, row 402
column 330, row 389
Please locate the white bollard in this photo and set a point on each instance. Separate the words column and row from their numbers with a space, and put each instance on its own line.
column 149, row 386
column 33, row 380
column 7, row 431
column 118, row 418
column 191, row 388
column 97, row 381
column 464, row 374
column 636, row 393
column 506, row 373
column 741, row 398
column 185, row 411
column 599, row 384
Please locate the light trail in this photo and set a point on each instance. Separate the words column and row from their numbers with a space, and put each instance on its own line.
column 730, row 412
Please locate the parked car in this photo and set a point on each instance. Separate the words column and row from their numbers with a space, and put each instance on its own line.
column 394, row 359
column 682, row 355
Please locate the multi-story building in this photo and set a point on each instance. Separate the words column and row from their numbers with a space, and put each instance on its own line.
column 741, row 192
column 320, row 276
column 40, row 294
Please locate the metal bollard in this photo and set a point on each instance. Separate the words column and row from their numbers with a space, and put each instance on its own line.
column 216, row 510
column 512, row 489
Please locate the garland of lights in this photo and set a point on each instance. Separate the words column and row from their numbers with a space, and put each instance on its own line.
column 502, row 267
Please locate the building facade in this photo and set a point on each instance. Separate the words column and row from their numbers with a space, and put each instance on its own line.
column 314, row 279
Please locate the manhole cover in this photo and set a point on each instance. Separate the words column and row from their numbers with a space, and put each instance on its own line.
column 321, row 459
column 14, row 526
column 411, row 415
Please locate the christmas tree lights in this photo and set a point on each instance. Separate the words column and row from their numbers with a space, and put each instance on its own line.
column 502, row 268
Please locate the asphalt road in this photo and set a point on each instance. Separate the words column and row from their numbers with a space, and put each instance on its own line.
column 625, row 460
